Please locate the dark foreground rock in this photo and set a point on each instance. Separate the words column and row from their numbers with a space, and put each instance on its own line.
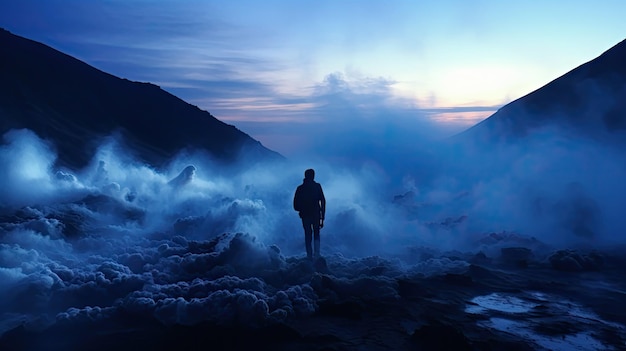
column 501, row 309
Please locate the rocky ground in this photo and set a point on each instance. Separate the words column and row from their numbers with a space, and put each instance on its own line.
column 515, row 301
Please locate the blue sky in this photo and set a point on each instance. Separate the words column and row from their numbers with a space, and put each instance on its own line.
column 286, row 72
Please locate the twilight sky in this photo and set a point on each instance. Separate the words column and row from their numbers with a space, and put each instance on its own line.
column 286, row 72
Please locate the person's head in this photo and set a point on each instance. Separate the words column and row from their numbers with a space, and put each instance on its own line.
column 309, row 174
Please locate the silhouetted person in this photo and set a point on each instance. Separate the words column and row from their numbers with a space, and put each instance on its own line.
column 310, row 202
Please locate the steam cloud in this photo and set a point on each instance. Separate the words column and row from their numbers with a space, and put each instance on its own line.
column 189, row 244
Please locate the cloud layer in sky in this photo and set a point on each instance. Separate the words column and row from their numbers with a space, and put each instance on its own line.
column 248, row 62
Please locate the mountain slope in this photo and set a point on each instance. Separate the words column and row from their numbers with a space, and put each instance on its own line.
column 589, row 100
column 74, row 105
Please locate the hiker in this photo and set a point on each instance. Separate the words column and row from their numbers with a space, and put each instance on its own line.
column 310, row 203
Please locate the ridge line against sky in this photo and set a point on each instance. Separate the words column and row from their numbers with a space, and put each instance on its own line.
column 272, row 67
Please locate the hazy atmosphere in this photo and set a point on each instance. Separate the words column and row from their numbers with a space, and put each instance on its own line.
column 440, row 233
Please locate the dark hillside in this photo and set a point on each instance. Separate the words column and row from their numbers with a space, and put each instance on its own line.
column 74, row 105
column 589, row 100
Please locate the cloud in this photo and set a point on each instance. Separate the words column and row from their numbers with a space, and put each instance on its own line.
column 337, row 109
column 224, row 246
column 233, row 65
column 120, row 235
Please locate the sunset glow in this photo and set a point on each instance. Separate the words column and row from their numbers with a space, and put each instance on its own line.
column 250, row 63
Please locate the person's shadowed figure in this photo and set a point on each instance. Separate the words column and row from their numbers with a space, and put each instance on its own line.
column 310, row 203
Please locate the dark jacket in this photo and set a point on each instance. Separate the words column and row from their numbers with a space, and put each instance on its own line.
column 309, row 200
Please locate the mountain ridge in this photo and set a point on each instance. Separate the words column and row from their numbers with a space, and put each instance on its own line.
column 588, row 100
column 75, row 106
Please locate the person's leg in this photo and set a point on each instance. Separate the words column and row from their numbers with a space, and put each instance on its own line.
column 308, row 233
column 316, row 237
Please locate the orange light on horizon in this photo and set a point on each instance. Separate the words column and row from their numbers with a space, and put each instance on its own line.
column 465, row 119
